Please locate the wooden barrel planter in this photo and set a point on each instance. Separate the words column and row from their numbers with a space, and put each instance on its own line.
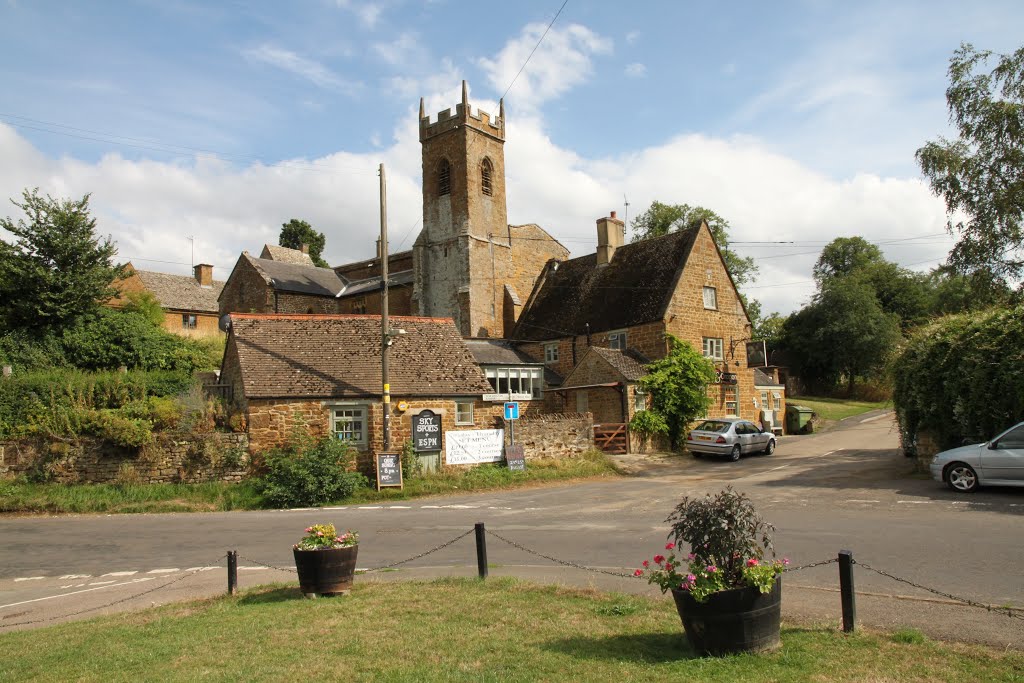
column 326, row 572
column 732, row 621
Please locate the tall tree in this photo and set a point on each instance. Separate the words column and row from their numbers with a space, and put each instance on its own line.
column 980, row 174
column 844, row 255
column 57, row 271
column 295, row 233
column 661, row 219
column 678, row 384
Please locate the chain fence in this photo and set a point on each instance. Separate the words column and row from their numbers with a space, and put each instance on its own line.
column 557, row 561
column 118, row 601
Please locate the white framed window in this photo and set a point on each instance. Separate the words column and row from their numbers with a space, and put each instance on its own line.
column 188, row 321
column 551, row 353
column 711, row 298
column 349, row 423
column 713, row 348
column 464, row 412
column 516, row 381
column 617, row 340
column 639, row 400
column 582, row 403
column 732, row 394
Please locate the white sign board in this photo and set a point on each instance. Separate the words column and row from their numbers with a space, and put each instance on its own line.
column 473, row 446
column 501, row 398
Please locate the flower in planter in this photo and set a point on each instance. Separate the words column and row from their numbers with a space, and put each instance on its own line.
column 727, row 540
column 323, row 536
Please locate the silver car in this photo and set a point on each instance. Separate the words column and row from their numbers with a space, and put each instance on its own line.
column 729, row 436
column 999, row 461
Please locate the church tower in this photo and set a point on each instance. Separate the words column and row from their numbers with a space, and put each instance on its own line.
column 465, row 220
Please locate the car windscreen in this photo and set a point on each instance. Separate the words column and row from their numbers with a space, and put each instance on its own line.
column 714, row 426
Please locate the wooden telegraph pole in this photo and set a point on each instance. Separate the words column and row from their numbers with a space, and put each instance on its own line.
column 385, row 333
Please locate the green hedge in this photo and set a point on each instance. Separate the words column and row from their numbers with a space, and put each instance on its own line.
column 66, row 402
column 960, row 378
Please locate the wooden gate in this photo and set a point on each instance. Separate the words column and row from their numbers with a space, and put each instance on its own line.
column 611, row 438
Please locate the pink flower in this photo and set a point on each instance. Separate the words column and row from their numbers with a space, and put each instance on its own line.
column 670, row 546
column 319, row 533
column 785, row 562
column 659, row 559
column 308, row 529
column 712, row 569
column 752, row 562
column 646, row 563
column 690, row 578
column 691, row 557
column 638, row 572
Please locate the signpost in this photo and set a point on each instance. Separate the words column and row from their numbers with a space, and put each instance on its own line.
column 514, row 456
column 389, row 470
column 426, row 432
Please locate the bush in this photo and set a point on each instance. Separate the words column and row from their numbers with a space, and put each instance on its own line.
column 24, row 352
column 959, row 378
column 308, row 473
column 115, row 338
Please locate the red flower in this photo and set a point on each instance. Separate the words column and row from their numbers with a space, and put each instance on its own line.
column 646, row 563
column 668, row 567
column 670, row 546
column 659, row 558
column 638, row 572
column 752, row 562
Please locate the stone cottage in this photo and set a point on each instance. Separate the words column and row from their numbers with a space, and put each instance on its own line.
column 189, row 303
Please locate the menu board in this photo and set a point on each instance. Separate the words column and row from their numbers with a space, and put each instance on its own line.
column 515, row 457
column 389, row 470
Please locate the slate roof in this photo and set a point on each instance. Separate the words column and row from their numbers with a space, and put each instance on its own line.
column 498, row 352
column 272, row 252
column 629, row 364
column 763, row 379
column 372, row 284
column 338, row 356
column 633, row 289
column 181, row 292
column 289, row 277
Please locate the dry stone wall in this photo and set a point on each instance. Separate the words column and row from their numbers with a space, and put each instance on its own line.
column 565, row 435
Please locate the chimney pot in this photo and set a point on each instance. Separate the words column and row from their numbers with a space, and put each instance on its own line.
column 613, row 214
column 204, row 274
column 611, row 234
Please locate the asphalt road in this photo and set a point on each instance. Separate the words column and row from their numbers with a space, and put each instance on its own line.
column 846, row 489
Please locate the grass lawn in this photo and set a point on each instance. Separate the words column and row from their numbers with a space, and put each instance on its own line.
column 836, row 408
column 17, row 496
column 459, row 630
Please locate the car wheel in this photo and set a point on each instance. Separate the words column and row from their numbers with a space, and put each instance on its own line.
column 735, row 454
column 770, row 448
column 696, row 454
column 962, row 477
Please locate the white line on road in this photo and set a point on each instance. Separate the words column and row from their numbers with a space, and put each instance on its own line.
column 860, row 500
column 201, row 569
column 369, row 507
column 429, row 507
column 461, row 507
column 399, row 507
column 872, row 419
column 87, row 590
column 916, row 502
column 75, row 576
column 30, row 578
column 343, row 507
column 102, row 583
column 163, row 571
column 131, row 573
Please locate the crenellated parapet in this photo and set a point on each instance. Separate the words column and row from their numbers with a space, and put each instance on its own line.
column 446, row 121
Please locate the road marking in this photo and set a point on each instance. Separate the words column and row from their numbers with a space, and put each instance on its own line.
column 429, row 507
column 87, row 590
column 251, row 569
column 497, row 508
column 163, row 571
column 461, row 507
column 302, row 509
column 131, row 573
column 30, row 578
column 399, row 507
column 343, row 507
column 75, row 576
column 916, row 502
column 102, row 583
column 860, row 500
column 369, row 507
column 201, row 569
column 876, row 417
column 72, row 585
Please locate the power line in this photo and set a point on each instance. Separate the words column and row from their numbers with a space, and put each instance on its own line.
column 535, row 48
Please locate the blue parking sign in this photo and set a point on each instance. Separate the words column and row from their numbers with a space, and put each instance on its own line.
column 512, row 410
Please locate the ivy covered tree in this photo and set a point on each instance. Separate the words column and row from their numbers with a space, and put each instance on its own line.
column 57, row 271
column 678, row 385
column 295, row 233
column 980, row 174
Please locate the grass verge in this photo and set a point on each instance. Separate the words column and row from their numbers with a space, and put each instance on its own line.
column 833, row 409
column 23, row 497
column 458, row 630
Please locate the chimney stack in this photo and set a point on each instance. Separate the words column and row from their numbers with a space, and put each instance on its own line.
column 305, row 248
column 611, row 232
column 204, row 274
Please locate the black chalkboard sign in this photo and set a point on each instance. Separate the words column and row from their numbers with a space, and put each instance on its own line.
column 389, row 470
column 426, row 432
column 515, row 457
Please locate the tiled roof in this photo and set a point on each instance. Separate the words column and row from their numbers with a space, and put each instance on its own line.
column 181, row 292
column 763, row 379
column 629, row 364
column 633, row 289
column 372, row 284
column 272, row 252
column 338, row 356
column 497, row 352
column 288, row 277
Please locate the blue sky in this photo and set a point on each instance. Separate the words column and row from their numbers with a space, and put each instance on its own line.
column 795, row 121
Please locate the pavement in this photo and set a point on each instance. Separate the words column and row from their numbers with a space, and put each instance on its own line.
column 847, row 488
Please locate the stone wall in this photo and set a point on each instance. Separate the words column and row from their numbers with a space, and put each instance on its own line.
column 566, row 435
column 188, row 459
column 246, row 291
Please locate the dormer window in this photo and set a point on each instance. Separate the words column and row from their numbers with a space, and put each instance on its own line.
column 444, row 178
column 486, row 171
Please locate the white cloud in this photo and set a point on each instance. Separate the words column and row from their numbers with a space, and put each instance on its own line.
column 632, row 37
column 562, row 61
column 368, row 13
column 405, row 51
column 636, row 70
column 311, row 70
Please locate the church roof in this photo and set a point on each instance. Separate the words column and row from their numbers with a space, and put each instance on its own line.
column 300, row 279
column 272, row 252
